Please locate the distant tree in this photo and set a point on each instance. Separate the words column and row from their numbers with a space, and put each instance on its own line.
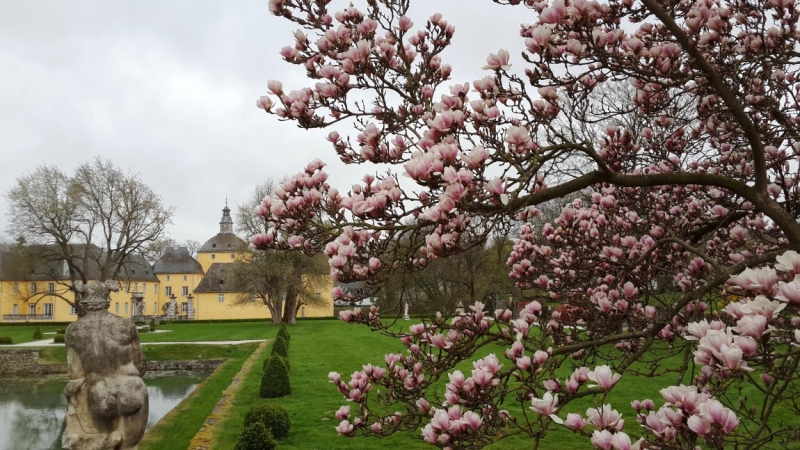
column 282, row 281
column 192, row 246
column 88, row 225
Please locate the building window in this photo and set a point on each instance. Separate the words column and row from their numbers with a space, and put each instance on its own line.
column 15, row 310
column 144, row 307
column 221, row 298
column 126, row 307
column 32, row 288
column 184, row 278
column 213, row 256
column 155, row 289
column 155, row 307
column 116, row 307
column 51, row 288
column 144, row 288
column 127, row 286
column 185, row 291
column 185, row 307
column 47, row 309
column 168, row 291
column 72, row 310
column 167, row 277
column 135, row 287
column 214, row 245
column 16, row 288
column 319, row 294
column 32, row 310
column 233, row 256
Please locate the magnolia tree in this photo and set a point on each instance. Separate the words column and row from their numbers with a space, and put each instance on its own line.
column 681, row 260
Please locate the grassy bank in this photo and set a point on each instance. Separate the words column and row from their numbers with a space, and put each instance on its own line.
column 231, row 331
column 24, row 333
column 58, row 355
column 176, row 430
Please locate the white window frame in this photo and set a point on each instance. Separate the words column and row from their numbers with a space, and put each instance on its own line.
column 72, row 310
column 184, row 290
column 126, row 307
column 15, row 310
column 221, row 298
column 32, row 309
column 47, row 309
column 185, row 278
column 116, row 308
column 167, row 277
column 32, row 288
column 51, row 288
column 168, row 291
column 16, row 288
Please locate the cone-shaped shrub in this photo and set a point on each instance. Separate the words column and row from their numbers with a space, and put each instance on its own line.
column 285, row 361
column 255, row 437
column 273, row 417
column 38, row 333
column 280, row 347
column 275, row 382
column 283, row 333
column 152, row 324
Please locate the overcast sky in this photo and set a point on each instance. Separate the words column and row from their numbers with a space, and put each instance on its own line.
column 167, row 90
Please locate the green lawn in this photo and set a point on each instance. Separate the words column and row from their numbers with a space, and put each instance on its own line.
column 176, row 429
column 230, row 331
column 319, row 347
column 24, row 333
column 58, row 354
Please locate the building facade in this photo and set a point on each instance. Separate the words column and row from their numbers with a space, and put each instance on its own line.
column 175, row 286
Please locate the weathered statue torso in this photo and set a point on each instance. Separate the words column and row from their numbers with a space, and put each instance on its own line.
column 108, row 403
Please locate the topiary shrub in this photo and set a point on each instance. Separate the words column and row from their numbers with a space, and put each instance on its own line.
column 58, row 339
column 61, row 331
column 275, row 382
column 255, row 437
column 6, row 340
column 280, row 347
column 38, row 333
column 273, row 417
column 283, row 333
column 285, row 361
column 152, row 324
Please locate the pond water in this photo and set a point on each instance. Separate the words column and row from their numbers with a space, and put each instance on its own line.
column 32, row 411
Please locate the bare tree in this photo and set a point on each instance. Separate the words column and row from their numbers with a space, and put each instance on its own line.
column 283, row 281
column 192, row 246
column 89, row 225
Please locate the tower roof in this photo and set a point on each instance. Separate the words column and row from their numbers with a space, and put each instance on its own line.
column 225, row 240
column 177, row 260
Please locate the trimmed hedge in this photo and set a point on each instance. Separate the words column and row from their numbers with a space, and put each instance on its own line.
column 275, row 382
column 58, row 339
column 61, row 331
column 284, row 359
column 6, row 340
column 152, row 324
column 38, row 333
column 273, row 417
column 144, row 330
column 27, row 323
column 255, row 437
column 282, row 333
column 280, row 347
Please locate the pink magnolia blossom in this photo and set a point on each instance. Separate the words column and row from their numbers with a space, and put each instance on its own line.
column 602, row 439
column 604, row 378
column 788, row 262
column 497, row 61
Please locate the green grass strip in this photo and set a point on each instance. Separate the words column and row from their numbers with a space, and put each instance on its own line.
column 176, row 430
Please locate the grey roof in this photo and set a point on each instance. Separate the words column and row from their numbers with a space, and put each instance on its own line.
column 218, row 279
column 177, row 260
column 44, row 262
column 222, row 243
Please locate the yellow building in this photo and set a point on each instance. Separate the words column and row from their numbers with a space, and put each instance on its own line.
column 36, row 292
column 175, row 286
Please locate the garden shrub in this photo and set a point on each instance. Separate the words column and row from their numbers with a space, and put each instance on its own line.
column 273, row 417
column 38, row 333
column 280, row 347
column 144, row 330
column 255, row 437
column 152, row 324
column 6, row 340
column 61, row 331
column 58, row 339
column 140, row 322
column 283, row 333
column 275, row 382
column 285, row 361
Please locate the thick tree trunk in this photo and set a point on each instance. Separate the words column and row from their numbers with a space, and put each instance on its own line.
column 275, row 311
column 290, row 311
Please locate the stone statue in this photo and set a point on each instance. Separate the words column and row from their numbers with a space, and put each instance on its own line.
column 107, row 399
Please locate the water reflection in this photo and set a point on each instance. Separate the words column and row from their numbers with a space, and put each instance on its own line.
column 32, row 411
